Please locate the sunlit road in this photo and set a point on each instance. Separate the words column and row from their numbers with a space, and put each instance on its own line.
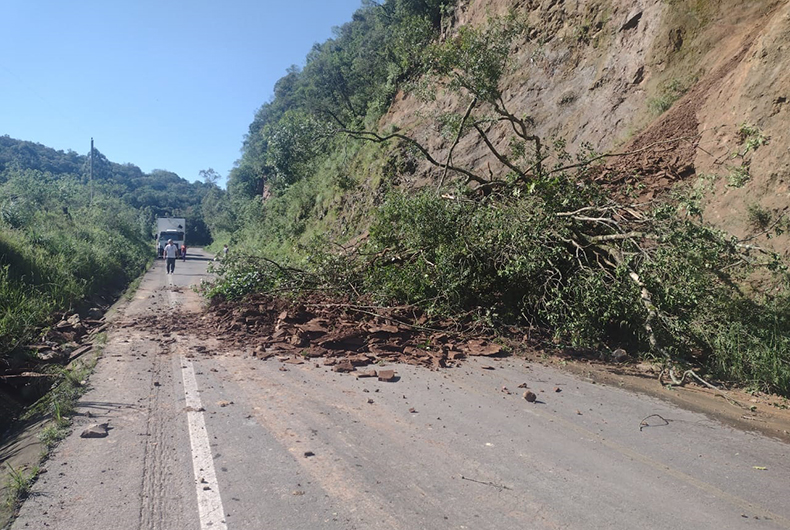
column 203, row 437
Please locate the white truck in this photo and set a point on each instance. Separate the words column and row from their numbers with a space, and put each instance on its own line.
column 168, row 228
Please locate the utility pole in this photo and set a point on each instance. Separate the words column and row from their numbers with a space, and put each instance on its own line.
column 90, row 176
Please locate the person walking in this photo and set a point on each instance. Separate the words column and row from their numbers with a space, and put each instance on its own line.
column 170, row 256
column 183, row 251
column 225, row 251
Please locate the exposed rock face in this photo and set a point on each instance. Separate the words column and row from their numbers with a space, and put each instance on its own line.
column 600, row 71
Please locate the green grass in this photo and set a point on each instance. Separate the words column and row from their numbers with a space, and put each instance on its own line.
column 56, row 261
column 19, row 483
column 668, row 95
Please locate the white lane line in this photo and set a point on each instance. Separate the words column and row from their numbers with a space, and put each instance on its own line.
column 212, row 513
column 210, row 509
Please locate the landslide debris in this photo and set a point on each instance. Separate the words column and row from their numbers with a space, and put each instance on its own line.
column 28, row 376
column 347, row 337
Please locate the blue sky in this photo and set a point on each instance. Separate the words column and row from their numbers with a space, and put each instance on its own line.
column 163, row 84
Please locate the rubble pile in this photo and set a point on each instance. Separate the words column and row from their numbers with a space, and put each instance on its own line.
column 69, row 338
column 345, row 336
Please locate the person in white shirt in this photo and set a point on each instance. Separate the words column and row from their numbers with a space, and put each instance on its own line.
column 171, row 250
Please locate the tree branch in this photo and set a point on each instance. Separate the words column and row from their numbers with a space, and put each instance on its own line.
column 374, row 137
column 455, row 143
column 499, row 156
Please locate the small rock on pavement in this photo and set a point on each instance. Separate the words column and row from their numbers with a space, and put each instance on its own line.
column 98, row 430
column 530, row 396
column 344, row 366
column 386, row 375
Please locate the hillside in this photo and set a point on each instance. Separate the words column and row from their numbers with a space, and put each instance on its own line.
column 157, row 194
column 599, row 72
column 610, row 173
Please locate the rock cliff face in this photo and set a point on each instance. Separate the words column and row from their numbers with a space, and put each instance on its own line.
column 674, row 80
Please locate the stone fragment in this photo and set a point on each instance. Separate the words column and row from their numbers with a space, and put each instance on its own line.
column 619, row 355
column 98, row 430
column 386, row 375
column 530, row 396
column 344, row 366
column 483, row 347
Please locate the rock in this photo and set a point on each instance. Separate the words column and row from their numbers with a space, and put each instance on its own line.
column 367, row 373
column 619, row 355
column 386, row 375
column 98, row 430
column 294, row 360
column 344, row 366
column 80, row 351
column 52, row 355
column 483, row 347
column 632, row 20
column 530, row 396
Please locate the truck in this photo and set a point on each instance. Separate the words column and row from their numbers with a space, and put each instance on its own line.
column 168, row 228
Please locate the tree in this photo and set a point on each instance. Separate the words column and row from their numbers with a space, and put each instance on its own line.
column 210, row 177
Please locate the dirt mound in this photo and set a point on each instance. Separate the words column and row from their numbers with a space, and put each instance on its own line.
column 665, row 152
column 346, row 336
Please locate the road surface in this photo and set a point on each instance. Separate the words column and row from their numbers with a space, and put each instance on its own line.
column 205, row 437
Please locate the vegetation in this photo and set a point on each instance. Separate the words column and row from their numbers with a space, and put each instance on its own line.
column 59, row 248
column 670, row 92
column 19, row 484
column 750, row 138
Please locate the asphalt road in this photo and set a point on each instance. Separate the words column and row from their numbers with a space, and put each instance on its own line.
column 204, row 437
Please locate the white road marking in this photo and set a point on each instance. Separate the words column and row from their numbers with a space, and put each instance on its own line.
column 212, row 513
column 210, row 509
